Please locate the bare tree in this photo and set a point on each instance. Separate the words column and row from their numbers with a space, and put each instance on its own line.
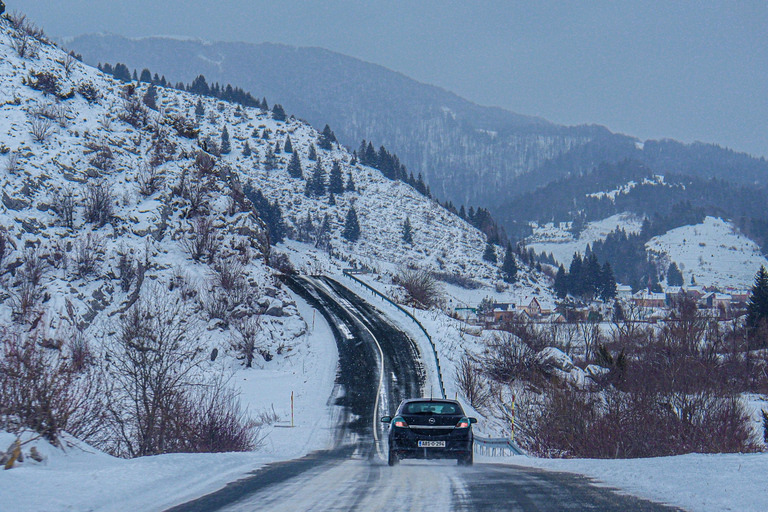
column 153, row 357
column 471, row 383
column 420, row 285
column 244, row 339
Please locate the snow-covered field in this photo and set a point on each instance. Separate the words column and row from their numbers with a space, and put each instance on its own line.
column 714, row 253
column 695, row 482
column 555, row 239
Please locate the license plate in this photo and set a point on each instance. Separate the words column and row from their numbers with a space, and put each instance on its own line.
column 431, row 444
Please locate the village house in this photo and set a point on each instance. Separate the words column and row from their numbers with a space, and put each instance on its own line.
column 645, row 299
column 533, row 309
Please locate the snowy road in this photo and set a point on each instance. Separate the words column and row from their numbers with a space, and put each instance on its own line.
column 353, row 476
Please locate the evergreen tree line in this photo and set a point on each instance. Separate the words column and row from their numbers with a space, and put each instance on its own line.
column 586, row 279
column 390, row 166
column 269, row 212
column 199, row 86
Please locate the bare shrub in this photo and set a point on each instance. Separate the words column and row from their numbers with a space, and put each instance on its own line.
column 420, row 286
column 152, row 359
column 282, row 263
column 64, row 206
column 44, row 81
column 126, row 268
column 184, row 126
column 28, row 289
column 89, row 253
column 42, row 389
column 471, row 383
column 506, row 358
column 26, row 27
column 25, row 46
column 163, row 147
column 149, row 180
column 204, row 163
column 12, row 164
column 99, row 203
column 216, row 422
column 102, row 156
column 69, row 63
column 89, row 92
column 202, row 239
column 572, row 423
column 40, row 129
column 244, row 339
column 6, row 247
column 197, row 192
column 134, row 112
column 458, row 280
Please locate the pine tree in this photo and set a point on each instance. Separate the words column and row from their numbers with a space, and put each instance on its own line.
column 312, row 153
column 351, row 226
column 757, row 309
column 327, row 138
column 288, row 147
column 278, row 114
column 331, row 200
column 561, row 283
column 674, row 276
column 199, row 108
column 575, row 277
column 489, row 254
column 270, row 160
column 226, row 147
column 509, row 267
column 323, row 238
column 350, row 183
column 607, row 289
column 150, row 97
column 121, row 72
column 407, row 231
column 265, row 134
column 277, row 147
column 146, row 76
column 135, row 76
column 316, row 182
column 336, row 180
column 462, row 212
column 294, row 166
column 247, row 150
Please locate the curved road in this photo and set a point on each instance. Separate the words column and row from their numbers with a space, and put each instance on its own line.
column 379, row 364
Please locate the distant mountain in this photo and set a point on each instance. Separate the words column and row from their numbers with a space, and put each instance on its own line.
column 468, row 154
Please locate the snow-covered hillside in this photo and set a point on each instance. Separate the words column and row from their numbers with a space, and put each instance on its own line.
column 714, row 253
column 556, row 239
column 107, row 203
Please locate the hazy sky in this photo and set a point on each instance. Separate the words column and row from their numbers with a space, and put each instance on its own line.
column 690, row 70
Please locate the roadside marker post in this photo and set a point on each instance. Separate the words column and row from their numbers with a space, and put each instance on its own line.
column 512, row 437
column 291, row 409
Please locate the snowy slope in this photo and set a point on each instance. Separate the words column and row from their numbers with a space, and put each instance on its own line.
column 557, row 240
column 714, row 253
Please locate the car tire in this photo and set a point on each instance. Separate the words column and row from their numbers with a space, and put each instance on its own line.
column 466, row 460
column 393, row 459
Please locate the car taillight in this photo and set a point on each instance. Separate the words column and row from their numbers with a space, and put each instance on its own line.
column 399, row 422
column 463, row 423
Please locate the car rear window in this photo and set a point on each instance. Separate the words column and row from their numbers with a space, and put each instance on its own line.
column 432, row 408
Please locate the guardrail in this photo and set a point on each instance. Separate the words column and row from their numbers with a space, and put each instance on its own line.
column 496, row 447
column 432, row 343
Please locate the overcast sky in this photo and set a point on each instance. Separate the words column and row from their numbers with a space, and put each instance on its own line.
column 689, row 70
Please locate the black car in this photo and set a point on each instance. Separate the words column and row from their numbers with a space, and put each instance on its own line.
column 427, row 428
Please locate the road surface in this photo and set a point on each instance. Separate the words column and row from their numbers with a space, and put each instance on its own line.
column 379, row 365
